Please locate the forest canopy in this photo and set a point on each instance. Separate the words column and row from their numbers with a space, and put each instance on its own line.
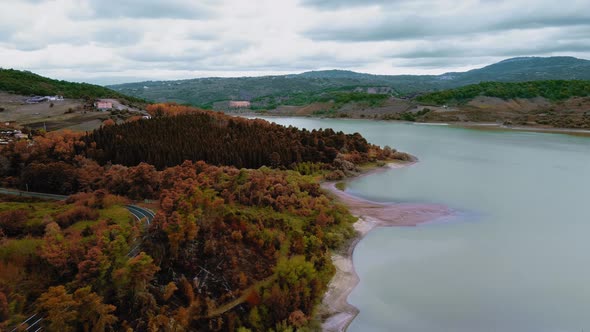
column 121, row 158
column 217, row 139
column 553, row 90
column 241, row 238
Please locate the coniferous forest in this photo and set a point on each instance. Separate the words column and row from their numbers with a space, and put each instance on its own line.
column 217, row 139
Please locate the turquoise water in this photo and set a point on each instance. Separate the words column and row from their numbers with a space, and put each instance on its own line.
column 516, row 257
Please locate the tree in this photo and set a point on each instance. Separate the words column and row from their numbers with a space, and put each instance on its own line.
column 4, row 312
column 60, row 308
column 108, row 122
column 55, row 248
column 136, row 274
column 94, row 268
column 94, row 315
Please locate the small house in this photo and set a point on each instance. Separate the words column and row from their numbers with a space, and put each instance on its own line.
column 36, row 100
column 103, row 105
column 239, row 104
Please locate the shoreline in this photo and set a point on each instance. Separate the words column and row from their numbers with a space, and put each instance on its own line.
column 335, row 308
column 501, row 127
column 467, row 125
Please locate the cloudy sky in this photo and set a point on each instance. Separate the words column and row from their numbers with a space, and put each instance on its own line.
column 112, row 41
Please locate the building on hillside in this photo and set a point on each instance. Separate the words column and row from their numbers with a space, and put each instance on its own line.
column 103, row 105
column 35, row 100
column 40, row 99
column 8, row 135
column 239, row 104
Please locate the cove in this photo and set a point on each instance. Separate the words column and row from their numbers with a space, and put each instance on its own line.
column 515, row 258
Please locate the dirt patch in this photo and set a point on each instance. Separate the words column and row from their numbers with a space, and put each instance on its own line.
column 72, row 114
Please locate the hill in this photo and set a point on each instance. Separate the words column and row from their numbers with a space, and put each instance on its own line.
column 76, row 111
column 554, row 90
column 539, row 104
column 228, row 249
column 206, row 91
column 27, row 83
column 529, row 69
column 193, row 134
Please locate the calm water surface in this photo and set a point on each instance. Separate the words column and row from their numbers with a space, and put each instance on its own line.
column 517, row 256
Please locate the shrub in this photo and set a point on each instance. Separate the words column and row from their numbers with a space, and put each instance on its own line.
column 12, row 222
column 72, row 216
column 335, row 175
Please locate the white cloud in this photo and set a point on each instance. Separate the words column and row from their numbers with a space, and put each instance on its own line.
column 117, row 40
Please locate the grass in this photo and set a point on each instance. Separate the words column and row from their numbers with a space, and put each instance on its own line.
column 81, row 225
column 19, row 247
column 40, row 213
column 375, row 164
column 341, row 186
column 117, row 213
column 37, row 210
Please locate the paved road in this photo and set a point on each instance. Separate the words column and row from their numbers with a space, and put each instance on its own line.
column 32, row 194
column 138, row 212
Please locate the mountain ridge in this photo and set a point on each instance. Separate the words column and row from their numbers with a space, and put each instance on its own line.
column 206, row 91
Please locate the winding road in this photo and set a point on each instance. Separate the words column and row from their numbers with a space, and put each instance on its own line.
column 138, row 212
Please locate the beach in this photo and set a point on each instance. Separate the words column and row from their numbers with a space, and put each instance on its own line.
column 335, row 309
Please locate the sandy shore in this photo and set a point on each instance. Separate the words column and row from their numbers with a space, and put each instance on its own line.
column 536, row 129
column 335, row 308
column 468, row 125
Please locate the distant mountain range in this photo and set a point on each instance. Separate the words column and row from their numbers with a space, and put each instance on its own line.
column 205, row 91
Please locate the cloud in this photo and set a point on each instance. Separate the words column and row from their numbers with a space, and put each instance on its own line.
column 185, row 54
column 336, row 4
column 108, row 9
column 435, row 19
column 153, row 39
column 117, row 36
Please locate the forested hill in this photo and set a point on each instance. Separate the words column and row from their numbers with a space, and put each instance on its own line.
column 228, row 249
column 552, row 90
column 205, row 91
column 27, row 83
column 191, row 134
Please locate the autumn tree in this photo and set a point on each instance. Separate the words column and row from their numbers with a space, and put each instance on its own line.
column 60, row 308
column 4, row 310
column 55, row 248
column 93, row 314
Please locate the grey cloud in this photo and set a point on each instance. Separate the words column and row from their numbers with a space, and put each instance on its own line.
column 221, row 59
column 201, row 35
column 403, row 25
column 34, row 44
column 336, row 4
column 470, row 50
column 187, row 55
column 113, row 36
column 433, row 63
column 5, row 34
column 183, row 9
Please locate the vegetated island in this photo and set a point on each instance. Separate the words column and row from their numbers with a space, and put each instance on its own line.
column 241, row 239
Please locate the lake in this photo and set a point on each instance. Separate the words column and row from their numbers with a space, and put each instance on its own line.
column 516, row 257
